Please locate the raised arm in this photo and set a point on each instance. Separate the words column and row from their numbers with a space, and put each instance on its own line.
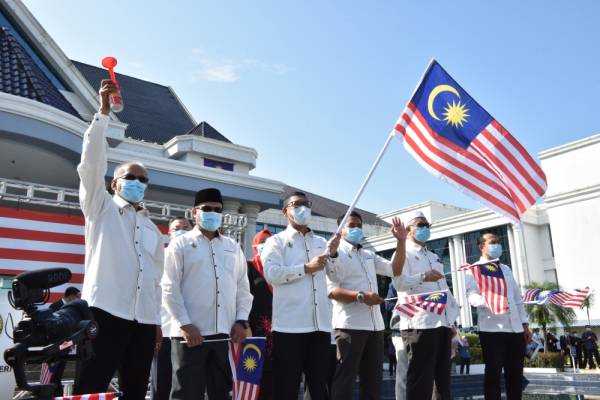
column 93, row 164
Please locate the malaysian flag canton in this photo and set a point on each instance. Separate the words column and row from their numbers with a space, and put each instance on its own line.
column 410, row 306
column 246, row 361
column 491, row 283
column 455, row 139
column 530, row 296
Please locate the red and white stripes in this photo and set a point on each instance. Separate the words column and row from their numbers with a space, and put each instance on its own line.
column 495, row 168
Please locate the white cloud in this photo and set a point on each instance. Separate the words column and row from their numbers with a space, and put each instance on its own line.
column 215, row 69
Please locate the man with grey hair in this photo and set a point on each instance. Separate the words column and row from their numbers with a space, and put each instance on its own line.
column 123, row 266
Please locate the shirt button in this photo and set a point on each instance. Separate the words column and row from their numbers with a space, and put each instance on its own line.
column 138, row 288
column 136, row 242
column 218, row 305
column 137, row 227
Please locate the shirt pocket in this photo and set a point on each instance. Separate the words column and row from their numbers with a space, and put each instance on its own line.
column 149, row 240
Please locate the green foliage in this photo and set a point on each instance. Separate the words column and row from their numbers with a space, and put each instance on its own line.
column 547, row 360
column 589, row 303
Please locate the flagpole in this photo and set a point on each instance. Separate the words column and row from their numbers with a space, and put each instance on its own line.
column 377, row 160
column 365, row 182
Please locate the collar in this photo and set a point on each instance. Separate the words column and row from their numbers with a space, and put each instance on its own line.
column 198, row 233
column 290, row 231
column 351, row 246
column 415, row 246
column 122, row 203
column 483, row 260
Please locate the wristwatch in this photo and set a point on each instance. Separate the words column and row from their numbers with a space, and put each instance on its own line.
column 423, row 276
column 360, row 297
column 243, row 323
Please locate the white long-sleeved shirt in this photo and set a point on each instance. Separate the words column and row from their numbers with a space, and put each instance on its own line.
column 123, row 248
column 418, row 261
column 205, row 283
column 512, row 320
column 357, row 269
column 300, row 302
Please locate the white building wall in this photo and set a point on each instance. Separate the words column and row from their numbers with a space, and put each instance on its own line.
column 573, row 207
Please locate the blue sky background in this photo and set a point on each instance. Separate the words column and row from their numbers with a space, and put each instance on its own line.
column 316, row 86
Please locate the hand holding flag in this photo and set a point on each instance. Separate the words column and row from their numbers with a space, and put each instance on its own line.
column 492, row 284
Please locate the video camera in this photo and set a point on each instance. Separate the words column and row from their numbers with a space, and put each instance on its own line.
column 42, row 335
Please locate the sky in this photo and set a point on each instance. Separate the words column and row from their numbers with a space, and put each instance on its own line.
column 316, row 86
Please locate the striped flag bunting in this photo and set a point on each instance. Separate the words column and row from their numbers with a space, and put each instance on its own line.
column 33, row 240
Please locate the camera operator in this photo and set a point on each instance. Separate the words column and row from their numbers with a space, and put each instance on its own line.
column 123, row 266
column 53, row 372
column 72, row 293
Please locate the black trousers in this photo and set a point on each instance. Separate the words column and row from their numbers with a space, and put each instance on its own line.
column 161, row 372
column 358, row 353
column 199, row 369
column 295, row 353
column 465, row 362
column 589, row 355
column 506, row 351
column 428, row 363
column 122, row 346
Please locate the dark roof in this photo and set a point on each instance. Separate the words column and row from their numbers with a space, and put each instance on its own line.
column 206, row 130
column 325, row 207
column 21, row 76
column 152, row 111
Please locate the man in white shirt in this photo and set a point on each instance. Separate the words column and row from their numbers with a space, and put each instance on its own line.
column 426, row 336
column 295, row 264
column 123, row 266
column 162, row 369
column 206, row 291
column 503, row 337
column 357, row 318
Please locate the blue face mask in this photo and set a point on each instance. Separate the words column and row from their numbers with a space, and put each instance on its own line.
column 422, row 234
column 210, row 220
column 178, row 233
column 301, row 215
column 132, row 190
column 495, row 250
column 354, row 235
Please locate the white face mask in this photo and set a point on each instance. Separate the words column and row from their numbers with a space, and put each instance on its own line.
column 301, row 215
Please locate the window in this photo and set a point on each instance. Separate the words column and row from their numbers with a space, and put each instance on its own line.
column 273, row 228
column 208, row 162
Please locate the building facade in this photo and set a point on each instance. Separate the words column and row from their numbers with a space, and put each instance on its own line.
column 554, row 242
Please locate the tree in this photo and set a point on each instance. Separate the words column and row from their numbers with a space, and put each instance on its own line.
column 548, row 314
column 587, row 303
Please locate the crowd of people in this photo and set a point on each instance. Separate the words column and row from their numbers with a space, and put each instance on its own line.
column 172, row 311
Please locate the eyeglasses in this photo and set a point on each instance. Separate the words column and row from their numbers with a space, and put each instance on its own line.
column 300, row 203
column 422, row 225
column 211, row 209
column 132, row 177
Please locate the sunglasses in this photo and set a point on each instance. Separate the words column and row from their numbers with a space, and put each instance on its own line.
column 300, row 203
column 422, row 225
column 211, row 209
column 132, row 177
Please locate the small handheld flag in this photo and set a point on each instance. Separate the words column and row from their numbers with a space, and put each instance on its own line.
column 94, row 396
column 492, row 284
column 434, row 302
column 455, row 139
column 558, row 297
column 247, row 361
